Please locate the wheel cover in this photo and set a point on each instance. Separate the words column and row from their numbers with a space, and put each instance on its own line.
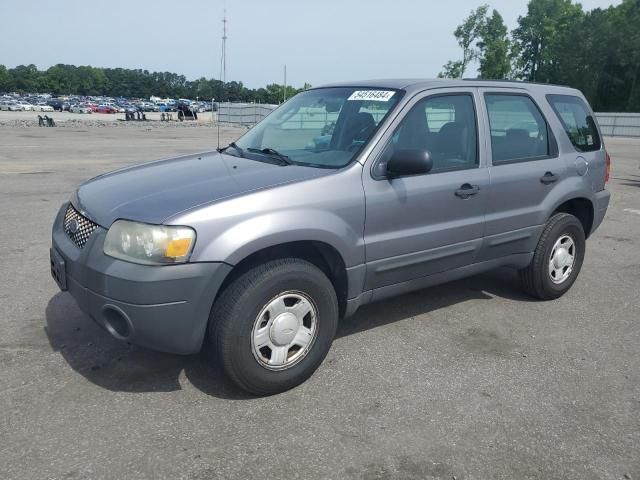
column 285, row 330
column 562, row 259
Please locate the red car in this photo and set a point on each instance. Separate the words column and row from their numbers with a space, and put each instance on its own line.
column 106, row 109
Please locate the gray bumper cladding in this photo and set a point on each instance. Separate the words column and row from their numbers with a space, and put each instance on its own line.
column 164, row 308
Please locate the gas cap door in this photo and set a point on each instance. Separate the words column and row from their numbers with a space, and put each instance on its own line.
column 582, row 166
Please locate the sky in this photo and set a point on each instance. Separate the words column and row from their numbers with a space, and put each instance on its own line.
column 319, row 41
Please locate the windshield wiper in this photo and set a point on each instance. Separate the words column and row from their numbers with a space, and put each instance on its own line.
column 285, row 160
column 234, row 146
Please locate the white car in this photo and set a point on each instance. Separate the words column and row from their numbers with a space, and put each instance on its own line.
column 79, row 109
column 24, row 105
column 42, row 107
column 10, row 106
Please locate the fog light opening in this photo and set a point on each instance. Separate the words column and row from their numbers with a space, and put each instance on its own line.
column 117, row 322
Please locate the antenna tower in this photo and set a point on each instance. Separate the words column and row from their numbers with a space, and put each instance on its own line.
column 223, row 58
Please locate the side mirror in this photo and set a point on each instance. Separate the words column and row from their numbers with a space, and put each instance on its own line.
column 409, row 162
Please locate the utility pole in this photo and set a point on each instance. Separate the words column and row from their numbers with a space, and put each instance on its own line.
column 284, row 87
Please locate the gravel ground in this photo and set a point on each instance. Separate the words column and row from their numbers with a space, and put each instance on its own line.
column 469, row 380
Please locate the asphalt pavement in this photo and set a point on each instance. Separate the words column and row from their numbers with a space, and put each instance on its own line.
column 468, row 380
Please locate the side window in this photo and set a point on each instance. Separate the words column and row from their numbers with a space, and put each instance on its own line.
column 577, row 121
column 518, row 129
column 443, row 125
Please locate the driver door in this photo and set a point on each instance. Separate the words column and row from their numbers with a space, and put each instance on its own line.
column 425, row 224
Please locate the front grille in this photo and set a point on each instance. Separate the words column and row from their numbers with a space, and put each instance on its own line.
column 77, row 227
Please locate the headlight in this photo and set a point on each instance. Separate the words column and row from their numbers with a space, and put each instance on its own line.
column 149, row 244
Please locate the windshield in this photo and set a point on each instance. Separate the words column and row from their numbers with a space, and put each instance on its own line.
column 324, row 127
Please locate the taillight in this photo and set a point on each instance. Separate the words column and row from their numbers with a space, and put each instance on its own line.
column 607, row 167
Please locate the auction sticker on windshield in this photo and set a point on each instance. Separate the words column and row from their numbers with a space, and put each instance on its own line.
column 372, row 95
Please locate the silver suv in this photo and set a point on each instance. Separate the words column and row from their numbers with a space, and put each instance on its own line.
column 345, row 195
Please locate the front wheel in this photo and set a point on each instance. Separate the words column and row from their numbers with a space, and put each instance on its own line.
column 557, row 259
column 273, row 325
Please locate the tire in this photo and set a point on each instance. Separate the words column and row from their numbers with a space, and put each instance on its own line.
column 243, row 308
column 537, row 278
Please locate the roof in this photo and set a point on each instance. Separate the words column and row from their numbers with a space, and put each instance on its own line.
column 417, row 84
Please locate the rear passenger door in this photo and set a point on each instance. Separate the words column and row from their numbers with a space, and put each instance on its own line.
column 525, row 168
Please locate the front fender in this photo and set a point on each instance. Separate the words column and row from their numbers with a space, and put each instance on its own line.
column 251, row 235
column 329, row 209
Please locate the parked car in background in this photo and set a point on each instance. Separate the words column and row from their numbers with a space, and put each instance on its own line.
column 80, row 108
column 167, row 107
column 106, row 109
column 42, row 107
column 128, row 108
column 25, row 106
column 148, row 107
column 197, row 107
column 58, row 105
column 10, row 106
column 114, row 106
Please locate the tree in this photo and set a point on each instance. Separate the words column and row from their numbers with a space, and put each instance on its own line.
column 542, row 35
column 494, row 48
column 452, row 70
column 625, row 19
column 466, row 34
column 25, row 78
column 5, row 80
column 597, row 52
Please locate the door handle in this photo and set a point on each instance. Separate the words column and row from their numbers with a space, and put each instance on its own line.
column 549, row 178
column 466, row 190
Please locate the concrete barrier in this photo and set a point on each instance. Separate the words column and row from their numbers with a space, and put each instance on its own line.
column 619, row 124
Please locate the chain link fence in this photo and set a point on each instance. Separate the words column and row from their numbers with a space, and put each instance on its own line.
column 243, row 113
column 248, row 114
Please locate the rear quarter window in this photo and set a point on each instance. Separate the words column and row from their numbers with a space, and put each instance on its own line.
column 577, row 121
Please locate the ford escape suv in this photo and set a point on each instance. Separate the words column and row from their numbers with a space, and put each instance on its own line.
column 345, row 195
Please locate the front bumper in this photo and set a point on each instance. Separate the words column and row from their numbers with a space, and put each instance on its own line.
column 165, row 308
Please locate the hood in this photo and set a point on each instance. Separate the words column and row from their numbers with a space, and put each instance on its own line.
column 156, row 191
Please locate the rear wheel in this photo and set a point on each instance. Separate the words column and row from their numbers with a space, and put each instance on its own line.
column 557, row 259
column 273, row 325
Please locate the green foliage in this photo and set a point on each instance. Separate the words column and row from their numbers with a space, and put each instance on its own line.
column 484, row 38
column 597, row 52
column 452, row 70
column 466, row 34
column 5, row 79
column 494, row 48
column 115, row 82
column 542, row 37
column 614, row 74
